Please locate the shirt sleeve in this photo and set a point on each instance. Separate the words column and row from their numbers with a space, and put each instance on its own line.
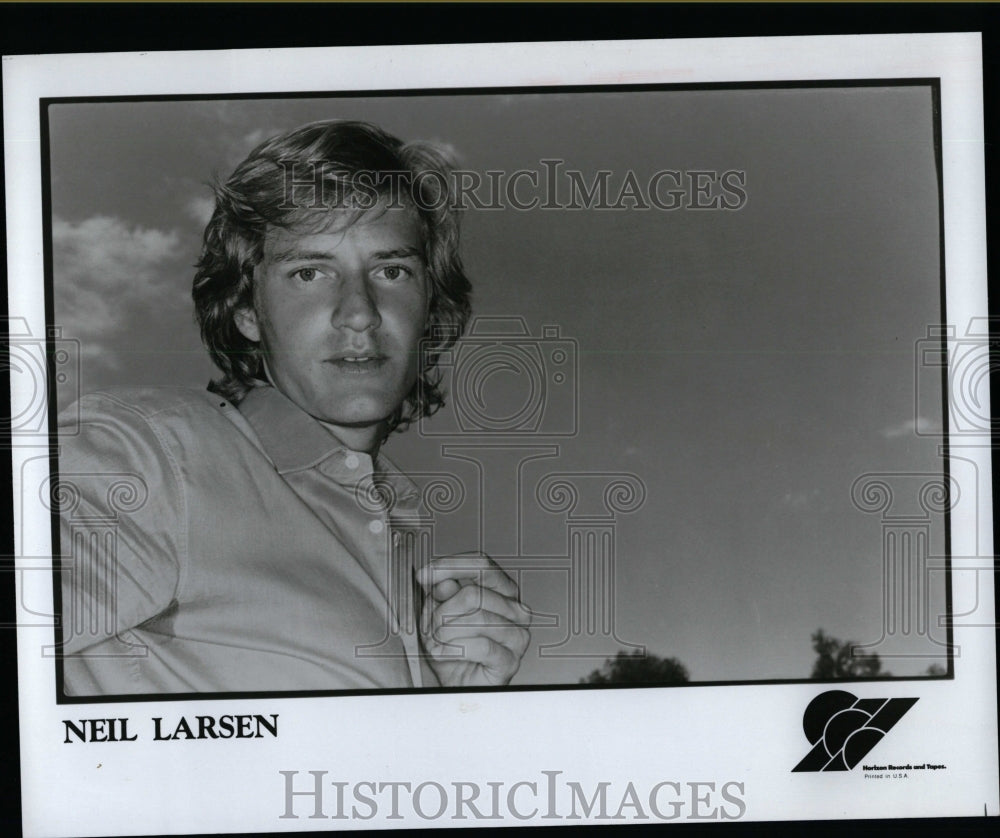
column 122, row 512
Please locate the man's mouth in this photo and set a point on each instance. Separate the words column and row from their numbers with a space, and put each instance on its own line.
column 360, row 363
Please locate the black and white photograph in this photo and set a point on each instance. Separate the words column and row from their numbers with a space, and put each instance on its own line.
column 633, row 390
column 651, row 383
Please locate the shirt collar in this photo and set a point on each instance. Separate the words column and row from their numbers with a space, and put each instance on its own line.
column 295, row 441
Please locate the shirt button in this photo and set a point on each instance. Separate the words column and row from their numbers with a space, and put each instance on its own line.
column 376, row 526
column 352, row 461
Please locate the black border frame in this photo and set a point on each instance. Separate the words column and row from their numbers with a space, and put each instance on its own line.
column 933, row 83
column 29, row 28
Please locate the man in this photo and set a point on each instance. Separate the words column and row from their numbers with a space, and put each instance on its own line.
column 261, row 541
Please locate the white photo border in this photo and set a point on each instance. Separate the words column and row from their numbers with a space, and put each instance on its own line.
column 749, row 736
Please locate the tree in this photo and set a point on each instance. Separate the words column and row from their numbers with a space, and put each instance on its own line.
column 638, row 668
column 835, row 659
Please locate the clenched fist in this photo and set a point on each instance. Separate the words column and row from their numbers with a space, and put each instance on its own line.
column 473, row 626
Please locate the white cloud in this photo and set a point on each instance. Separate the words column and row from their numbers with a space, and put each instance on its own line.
column 230, row 145
column 200, row 208
column 254, row 138
column 799, row 500
column 238, row 144
column 104, row 273
column 911, row 427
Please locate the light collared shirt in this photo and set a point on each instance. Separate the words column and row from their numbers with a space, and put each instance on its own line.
column 210, row 548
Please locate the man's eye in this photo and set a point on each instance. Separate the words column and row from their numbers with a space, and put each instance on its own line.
column 393, row 272
column 306, row 274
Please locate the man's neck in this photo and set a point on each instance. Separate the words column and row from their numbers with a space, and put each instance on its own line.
column 366, row 438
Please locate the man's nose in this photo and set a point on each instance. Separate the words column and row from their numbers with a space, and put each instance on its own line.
column 356, row 308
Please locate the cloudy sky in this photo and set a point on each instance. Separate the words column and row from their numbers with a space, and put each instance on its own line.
column 745, row 366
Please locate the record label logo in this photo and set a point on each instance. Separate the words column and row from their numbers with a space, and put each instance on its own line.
column 844, row 728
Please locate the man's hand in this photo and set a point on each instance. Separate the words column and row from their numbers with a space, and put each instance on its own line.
column 473, row 626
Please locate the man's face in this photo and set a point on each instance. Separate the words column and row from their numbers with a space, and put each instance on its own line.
column 339, row 315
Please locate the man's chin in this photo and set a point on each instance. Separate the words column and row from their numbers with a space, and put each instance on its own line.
column 356, row 425
column 357, row 417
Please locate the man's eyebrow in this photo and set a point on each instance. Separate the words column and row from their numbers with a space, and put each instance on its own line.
column 399, row 253
column 293, row 254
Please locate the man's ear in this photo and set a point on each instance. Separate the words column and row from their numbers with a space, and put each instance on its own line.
column 246, row 322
